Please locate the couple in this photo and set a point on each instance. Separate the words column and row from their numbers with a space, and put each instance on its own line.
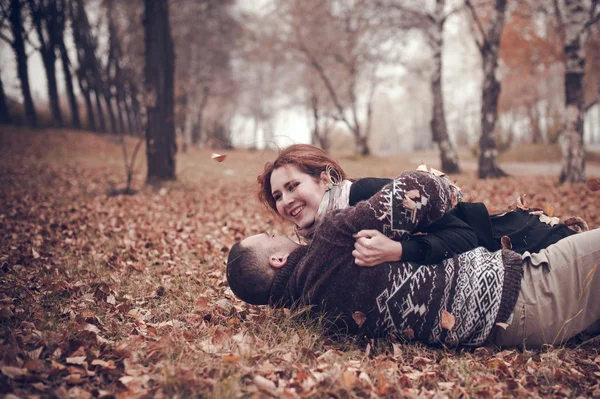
column 478, row 293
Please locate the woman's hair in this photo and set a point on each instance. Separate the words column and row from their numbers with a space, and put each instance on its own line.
column 308, row 159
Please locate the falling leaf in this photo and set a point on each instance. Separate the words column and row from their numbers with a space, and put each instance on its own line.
column 550, row 210
column 506, row 242
column 448, row 320
column 593, row 184
column 218, row 157
column 359, row 318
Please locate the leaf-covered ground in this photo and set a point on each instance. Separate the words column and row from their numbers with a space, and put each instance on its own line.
column 125, row 296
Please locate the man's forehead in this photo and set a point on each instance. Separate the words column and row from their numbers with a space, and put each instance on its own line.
column 255, row 240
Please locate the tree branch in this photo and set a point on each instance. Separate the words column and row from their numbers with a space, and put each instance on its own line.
column 479, row 25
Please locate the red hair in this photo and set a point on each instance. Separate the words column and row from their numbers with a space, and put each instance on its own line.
column 307, row 158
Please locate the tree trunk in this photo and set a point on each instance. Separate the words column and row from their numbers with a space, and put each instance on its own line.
column 159, row 89
column 362, row 147
column 573, row 161
column 439, row 131
column 40, row 13
column 4, row 114
column 490, row 94
column 84, row 87
column 99, row 109
column 66, row 64
column 18, row 46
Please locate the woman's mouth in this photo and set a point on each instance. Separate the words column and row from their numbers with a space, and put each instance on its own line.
column 294, row 212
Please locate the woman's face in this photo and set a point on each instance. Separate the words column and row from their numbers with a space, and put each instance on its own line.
column 297, row 195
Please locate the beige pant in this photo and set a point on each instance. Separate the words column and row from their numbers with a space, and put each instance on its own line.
column 560, row 294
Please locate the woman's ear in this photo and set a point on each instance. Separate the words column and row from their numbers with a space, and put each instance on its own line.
column 324, row 179
column 278, row 260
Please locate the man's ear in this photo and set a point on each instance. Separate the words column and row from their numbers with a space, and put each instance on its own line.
column 278, row 260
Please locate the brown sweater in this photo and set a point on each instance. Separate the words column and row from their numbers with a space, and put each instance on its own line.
column 477, row 288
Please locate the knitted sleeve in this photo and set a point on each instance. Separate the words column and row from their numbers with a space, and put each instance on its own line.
column 411, row 202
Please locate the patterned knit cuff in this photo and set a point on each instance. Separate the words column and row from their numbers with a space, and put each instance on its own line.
column 513, row 274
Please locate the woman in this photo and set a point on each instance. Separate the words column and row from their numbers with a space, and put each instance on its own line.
column 304, row 183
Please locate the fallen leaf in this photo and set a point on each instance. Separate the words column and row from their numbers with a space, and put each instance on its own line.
column 231, row 358
column 201, row 304
column 506, row 242
column 503, row 326
column 413, row 194
column 349, row 378
column 409, row 204
column 409, row 334
column 593, row 184
column 522, row 202
column 13, row 372
column 6, row 313
column 436, row 172
column 448, row 320
column 359, row 318
column 76, row 360
column 35, row 254
column 419, row 361
column 264, row 384
column 218, row 157
column 422, row 168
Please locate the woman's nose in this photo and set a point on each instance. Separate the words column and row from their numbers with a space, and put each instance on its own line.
column 287, row 198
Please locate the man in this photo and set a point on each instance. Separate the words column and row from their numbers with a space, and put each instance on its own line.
column 540, row 298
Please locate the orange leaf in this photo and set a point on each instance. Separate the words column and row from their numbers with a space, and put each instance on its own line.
column 349, row 378
column 218, row 157
column 550, row 210
column 359, row 318
column 448, row 320
column 231, row 358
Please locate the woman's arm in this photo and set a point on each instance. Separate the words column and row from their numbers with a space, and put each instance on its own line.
column 444, row 239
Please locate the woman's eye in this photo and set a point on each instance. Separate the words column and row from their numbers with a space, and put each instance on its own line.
column 277, row 197
column 294, row 185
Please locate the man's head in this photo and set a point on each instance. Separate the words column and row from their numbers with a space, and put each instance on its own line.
column 253, row 263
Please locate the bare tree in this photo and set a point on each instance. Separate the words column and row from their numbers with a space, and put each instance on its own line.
column 12, row 12
column 44, row 15
column 159, row 97
column 405, row 15
column 61, row 21
column 488, row 42
column 4, row 112
column 575, row 18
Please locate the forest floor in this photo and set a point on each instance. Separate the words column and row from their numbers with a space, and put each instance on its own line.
column 126, row 296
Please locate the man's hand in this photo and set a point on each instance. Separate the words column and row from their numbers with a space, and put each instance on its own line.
column 372, row 248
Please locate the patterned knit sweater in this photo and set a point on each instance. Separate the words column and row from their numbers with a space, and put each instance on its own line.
column 477, row 289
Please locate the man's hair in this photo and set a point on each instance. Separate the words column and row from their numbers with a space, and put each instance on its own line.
column 246, row 275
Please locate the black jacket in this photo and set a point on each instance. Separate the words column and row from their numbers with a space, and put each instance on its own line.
column 467, row 226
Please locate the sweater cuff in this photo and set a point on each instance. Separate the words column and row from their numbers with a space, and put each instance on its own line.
column 414, row 250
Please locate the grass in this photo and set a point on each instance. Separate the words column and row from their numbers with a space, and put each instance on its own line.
column 139, row 281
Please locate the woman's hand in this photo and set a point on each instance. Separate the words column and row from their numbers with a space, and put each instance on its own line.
column 372, row 248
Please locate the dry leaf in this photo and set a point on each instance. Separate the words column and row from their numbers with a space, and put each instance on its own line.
column 201, row 304
column 35, row 254
column 218, row 157
column 76, row 360
column 359, row 318
column 409, row 204
column 422, row 168
column 436, row 172
column 349, row 378
column 448, row 320
column 13, row 372
column 522, row 202
column 264, row 384
column 409, row 334
column 6, row 313
column 506, row 242
column 413, row 194
column 550, row 210
column 231, row 358
column 593, row 184
column 503, row 326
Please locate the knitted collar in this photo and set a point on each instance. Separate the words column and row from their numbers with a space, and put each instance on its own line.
column 280, row 293
column 337, row 197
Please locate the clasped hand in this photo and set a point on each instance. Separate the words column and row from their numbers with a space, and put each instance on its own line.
column 372, row 248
